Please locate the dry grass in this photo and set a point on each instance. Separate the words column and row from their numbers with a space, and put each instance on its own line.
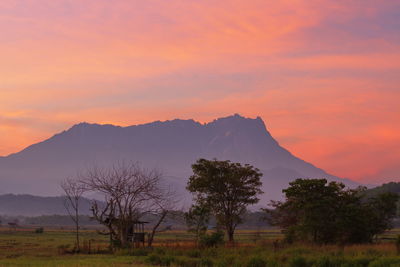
column 51, row 248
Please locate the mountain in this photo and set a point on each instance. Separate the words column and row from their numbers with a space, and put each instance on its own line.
column 171, row 146
column 392, row 187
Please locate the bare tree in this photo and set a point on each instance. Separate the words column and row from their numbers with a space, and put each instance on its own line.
column 129, row 191
column 164, row 201
column 73, row 190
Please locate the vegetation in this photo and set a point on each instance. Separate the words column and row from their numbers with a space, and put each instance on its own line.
column 226, row 189
column 130, row 192
column 323, row 224
column 391, row 187
column 323, row 212
column 73, row 193
column 197, row 219
column 176, row 248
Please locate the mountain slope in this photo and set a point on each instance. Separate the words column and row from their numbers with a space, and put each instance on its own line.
column 171, row 146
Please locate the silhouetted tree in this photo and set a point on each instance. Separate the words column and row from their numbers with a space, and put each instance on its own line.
column 226, row 188
column 323, row 212
column 130, row 192
column 73, row 192
column 164, row 201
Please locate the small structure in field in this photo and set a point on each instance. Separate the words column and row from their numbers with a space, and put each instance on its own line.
column 13, row 225
column 136, row 233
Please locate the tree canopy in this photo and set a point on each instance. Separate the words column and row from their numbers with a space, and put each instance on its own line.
column 323, row 212
column 226, row 188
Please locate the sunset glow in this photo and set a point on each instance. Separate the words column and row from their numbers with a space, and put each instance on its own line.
column 323, row 75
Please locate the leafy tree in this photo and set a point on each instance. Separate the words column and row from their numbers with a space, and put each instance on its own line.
column 308, row 210
column 212, row 240
column 197, row 219
column 227, row 188
column 323, row 212
column 381, row 209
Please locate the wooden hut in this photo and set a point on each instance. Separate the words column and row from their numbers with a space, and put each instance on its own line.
column 136, row 233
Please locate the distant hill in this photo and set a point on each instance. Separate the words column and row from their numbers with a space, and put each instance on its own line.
column 28, row 205
column 393, row 187
column 171, row 146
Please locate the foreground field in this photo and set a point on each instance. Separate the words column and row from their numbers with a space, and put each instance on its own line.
column 176, row 248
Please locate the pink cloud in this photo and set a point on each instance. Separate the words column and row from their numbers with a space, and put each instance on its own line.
column 324, row 75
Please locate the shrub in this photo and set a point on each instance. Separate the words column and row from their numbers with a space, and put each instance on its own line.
column 39, row 230
column 298, row 261
column 387, row 262
column 153, row 259
column 212, row 240
column 167, row 260
column 187, row 262
column 194, row 253
column 227, row 261
column 139, row 252
column 160, row 251
column 210, row 252
column 362, row 261
column 161, row 260
column 329, row 262
column 206, row 262
column 256, row 262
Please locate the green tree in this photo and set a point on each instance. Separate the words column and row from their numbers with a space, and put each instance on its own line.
column 197, row 219
column 308, row 210
column 323, row 212
column 381, row 209
column 227, row 188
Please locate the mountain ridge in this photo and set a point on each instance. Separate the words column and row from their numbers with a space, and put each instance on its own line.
column 171, row 146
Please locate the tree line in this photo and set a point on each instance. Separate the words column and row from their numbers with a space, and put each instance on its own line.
column 313, row 209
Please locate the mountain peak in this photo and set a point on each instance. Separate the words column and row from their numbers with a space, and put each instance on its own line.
column 80, row 125
column 89, row 127
column 239, row 123
column 169, row 145
column 236, row 118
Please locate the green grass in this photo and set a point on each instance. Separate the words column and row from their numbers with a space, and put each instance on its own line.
column 176, row 248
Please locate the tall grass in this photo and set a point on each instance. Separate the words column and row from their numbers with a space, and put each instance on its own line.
column 53, row 248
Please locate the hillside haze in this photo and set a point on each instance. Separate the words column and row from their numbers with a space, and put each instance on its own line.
column 28, row 205
column 171, row 146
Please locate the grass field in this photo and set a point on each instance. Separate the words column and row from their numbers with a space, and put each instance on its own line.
column 176, row 248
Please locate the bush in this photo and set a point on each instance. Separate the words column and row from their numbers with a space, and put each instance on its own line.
column 39, row 230
column 188, row 262
column 160, row 251
column 298, row 261
column 194, row 253
column 362, row 261
column 256, row 262
column 387, row 262
column 206, row 262
column 155, row 259
column 228, row 261
column 139, row 252
column 212, row 240
column 329, row 262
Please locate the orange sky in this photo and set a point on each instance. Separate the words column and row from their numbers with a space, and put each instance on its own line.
column 323, row 74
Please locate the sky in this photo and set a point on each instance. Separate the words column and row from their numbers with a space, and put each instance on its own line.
column 324, row 75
